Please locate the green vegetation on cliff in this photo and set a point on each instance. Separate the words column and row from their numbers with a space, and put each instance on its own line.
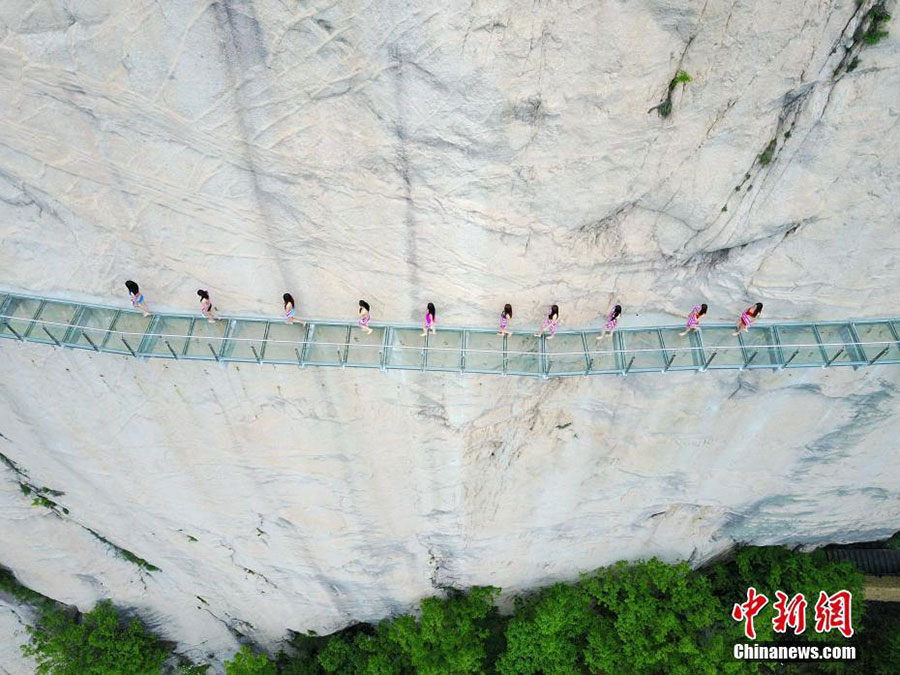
column 97, row 643
column 646, row 617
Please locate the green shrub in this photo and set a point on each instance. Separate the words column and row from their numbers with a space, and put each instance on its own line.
column 548, row 632
column 655, row 617
column 450, row 635
column 372, row 653
column 245, row 662
column 96, row 643
column 681, row 78
column 193, row 669
column 765, row 157
column 878, row 16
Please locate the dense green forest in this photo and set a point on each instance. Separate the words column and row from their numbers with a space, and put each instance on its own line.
column 646, row 617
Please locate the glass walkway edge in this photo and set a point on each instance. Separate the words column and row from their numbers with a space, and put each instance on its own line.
column 461, row 350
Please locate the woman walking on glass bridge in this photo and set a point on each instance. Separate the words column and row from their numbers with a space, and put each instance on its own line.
column 430, row 319
column 747, row 318
column 750, row 315
column 206, row 306
column 693, row 322
column 137, row 298
column 505, row 317
column 551, row 323
column 290, row 309
column 611, row 322
column 364, row 317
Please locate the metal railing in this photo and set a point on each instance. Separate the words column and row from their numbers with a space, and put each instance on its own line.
column 396, row 346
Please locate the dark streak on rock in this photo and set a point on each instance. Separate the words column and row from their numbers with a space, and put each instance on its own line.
column 403, row 166
column 244, row 53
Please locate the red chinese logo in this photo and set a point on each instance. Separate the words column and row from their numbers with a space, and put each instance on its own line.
column 746, row 611
column 789, row 613
column 833, row 611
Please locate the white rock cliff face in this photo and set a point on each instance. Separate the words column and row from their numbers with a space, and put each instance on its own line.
column 468, row 153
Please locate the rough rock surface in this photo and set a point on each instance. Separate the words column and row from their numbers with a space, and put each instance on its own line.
column 469, row 153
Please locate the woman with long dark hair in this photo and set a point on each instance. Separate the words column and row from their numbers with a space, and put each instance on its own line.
column 747, row 318
column 551, row 323
column 137, row 298
column 611, row 322
column 290, row 309
column 206, row 306
column 364, row 317
column 693, row 322
column 430, row 319
column 505, row 318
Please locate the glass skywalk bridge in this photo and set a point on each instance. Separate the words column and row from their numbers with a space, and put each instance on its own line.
column 460, row 350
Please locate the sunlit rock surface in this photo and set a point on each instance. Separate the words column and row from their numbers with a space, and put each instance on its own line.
column 468, row 153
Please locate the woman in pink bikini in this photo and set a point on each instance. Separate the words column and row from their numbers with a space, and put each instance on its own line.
column 206, row 306
column 505, row 317
column 364, row 317
column 611, row 322
column 750, row 315
column 430, row 319
column 693, row 322
column 551, row 323
column 290, row 309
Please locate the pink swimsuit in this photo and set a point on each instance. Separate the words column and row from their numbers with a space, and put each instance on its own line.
column 551, row 324
column 693, row 317
column 747, row 320
column 613, row 321
column 503, row 320
column 429, row 320
column 364, row 319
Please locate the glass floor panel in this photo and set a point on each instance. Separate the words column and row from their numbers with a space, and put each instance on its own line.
column 791, row 337
column 640, row 340
column 444, row 350
column 406, row 348
column 59, row 316
column 760, row 349
column 719, row 341
column 878, row 332
column 94, row 323
column 834, row 339
column 134, row 324
column 605, row 354
column 484, row 353
column 565, row 354
column 205, row 339
column 169, row 336
column 327, row 345
column 685, row 349
column 244, row 335
column 523, row 354
column 3, row 297
column 23, row 309
column 285, row 342
column 365, row 350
